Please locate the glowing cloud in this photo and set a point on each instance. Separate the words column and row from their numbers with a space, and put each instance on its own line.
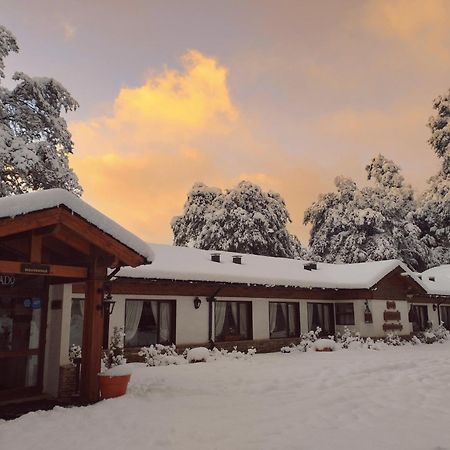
column 179, row 127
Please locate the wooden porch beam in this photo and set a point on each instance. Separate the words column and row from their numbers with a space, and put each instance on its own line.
column 50, row 270
column 101, row 240
column 72, row 240
column 27, row 222
column 36, row 248
column 92, row 332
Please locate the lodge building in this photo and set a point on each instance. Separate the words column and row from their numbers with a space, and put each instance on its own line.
column 69, row 275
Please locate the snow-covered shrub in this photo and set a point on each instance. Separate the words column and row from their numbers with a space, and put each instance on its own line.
column 432, row 335
column 215, row 353
column 114, row 355
column 161, row 355
column 197, row 354
column 350, row 339
column 324, row 345
column 415, row 340
column 393, row 339
column 74, row 353
column 441, row 333
column 307, row 340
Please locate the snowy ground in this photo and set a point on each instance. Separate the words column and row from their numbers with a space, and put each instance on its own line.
column 398, row 398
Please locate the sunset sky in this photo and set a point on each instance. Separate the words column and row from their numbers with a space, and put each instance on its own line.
column 287, row 94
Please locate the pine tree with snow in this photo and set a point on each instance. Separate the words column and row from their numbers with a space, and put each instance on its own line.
column 369, row 224
column 433, row 215
column 243, row 219
column 187, row 227
column 34, row 139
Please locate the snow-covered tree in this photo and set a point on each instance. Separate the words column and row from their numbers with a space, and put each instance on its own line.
column 243, row 219
column 187, row 227
column 369, row 224
column 433, row 215
column 34, row 139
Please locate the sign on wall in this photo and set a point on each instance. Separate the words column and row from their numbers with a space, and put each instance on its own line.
column 7, row 280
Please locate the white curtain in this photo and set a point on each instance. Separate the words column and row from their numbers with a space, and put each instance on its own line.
column 164, row 323
column 132, row 318
column 310, row 316
column 234, row 312
column 220, row 309
column 154, row 306
column 273, row 308
column 81, row 306
column 244, row 320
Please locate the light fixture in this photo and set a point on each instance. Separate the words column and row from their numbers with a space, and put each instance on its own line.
column 197, row 303
column 434, row 307
column 367, row 313
column 107, row 305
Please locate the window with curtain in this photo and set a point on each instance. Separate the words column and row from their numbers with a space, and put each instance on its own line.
column 418, row 316
column 284, row 319
column 321, row 315
column 445, row 316
column 232, row 321
column 149, row 322
column 345, row 314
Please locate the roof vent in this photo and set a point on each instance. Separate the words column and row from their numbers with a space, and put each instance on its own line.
column 432, row 278
column 310, row 266
column 237, row 259
column 215, row 257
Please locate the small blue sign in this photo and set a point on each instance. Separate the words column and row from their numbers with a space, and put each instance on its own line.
column 27, row 303
column 35, row 303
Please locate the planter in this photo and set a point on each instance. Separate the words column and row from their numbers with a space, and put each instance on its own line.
column 112, row 386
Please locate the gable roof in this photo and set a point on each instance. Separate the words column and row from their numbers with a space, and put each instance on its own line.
column 437, row 280
column 190, row 264
column 18, row 205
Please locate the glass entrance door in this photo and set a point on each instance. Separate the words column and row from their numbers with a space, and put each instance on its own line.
column 20, row 343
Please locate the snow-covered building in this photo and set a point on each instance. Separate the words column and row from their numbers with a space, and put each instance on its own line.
column 62, row 264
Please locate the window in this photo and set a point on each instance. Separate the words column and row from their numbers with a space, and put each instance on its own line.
column 345, row 314
column 445, row 316
column 418, row 316
column 149, row 322
column 284, row 320
column 233, row 321
column 321, row 315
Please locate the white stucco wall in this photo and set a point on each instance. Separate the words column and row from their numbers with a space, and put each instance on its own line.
column 192, row 324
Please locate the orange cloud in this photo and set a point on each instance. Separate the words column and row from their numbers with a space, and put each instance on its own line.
column 138, row 163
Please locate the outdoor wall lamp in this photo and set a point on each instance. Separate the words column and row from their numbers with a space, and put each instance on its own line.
column 108, row 303
column 434, row 307
column 197, row 303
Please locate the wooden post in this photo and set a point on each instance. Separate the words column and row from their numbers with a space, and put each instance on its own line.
column 91, row 352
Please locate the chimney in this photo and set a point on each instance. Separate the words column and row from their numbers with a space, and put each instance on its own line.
column 237, row 259
column 310, row 266
column 215, row 257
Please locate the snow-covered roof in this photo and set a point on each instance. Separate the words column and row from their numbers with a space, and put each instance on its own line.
column 17, row 205
column 190, row 264
column 437, row 280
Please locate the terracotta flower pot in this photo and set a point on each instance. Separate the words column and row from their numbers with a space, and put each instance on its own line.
column 112, row 386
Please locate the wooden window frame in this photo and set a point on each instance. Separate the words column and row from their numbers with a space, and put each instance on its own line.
column 173, row 320
column 339, row 314
column 249, row 305
column 297, row 308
